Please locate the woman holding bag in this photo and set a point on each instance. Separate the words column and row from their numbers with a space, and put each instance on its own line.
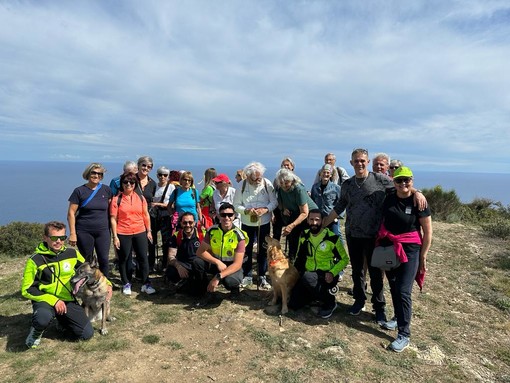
column 410, row 232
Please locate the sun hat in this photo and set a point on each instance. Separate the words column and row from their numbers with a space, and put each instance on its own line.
column 402, row 171
column 327, row 167
column 222, row 177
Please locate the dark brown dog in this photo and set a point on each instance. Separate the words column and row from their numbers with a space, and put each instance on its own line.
column 91, row 287
column 283, row 274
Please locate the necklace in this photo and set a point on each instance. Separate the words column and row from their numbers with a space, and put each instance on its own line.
column 361, row 184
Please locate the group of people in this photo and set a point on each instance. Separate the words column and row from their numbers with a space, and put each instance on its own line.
column 213, row 233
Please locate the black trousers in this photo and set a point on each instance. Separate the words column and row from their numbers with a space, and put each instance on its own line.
column 312, row 286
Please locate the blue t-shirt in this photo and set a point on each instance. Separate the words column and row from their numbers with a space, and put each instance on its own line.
column 185, row 201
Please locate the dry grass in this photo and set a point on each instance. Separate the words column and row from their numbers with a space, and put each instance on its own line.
column 460, row 332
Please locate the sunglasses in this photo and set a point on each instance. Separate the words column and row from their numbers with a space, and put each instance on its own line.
column 128, row 182
column 186, row 180
column 94, row 173
column 394, row 167
column 229, row 215
column 187, row 223
column 402, row 180
column 55, row 238
column 162, row 175
column 148, row 166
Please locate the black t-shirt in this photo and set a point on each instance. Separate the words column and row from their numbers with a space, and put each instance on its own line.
column 187, row 250
column 95, row 215
column 401, row 216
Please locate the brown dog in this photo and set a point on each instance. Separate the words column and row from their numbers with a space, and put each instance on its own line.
column 89, row 284
column 283, row 274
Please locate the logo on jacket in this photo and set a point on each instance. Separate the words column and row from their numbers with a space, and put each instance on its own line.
column 66, row 266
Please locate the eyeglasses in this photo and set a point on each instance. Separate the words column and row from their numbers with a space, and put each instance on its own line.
column 402, row 180
column 394, row 167
column 55, row 238
column 186, row 180
column 128, row 182
column 229, row 215
column 162, row 175
column 148, row 166
column 94, row 173
column 187, row 223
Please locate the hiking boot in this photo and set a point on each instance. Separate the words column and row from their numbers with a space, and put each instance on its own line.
column 399, row 344
column 246, row 282
column 357, row 308
column 34, row 338
column 264, row 284
column 126, row 290
column 326, row 312
column 148, row 289
column 390, row 325
column 380, row 317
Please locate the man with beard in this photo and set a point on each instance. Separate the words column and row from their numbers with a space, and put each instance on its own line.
column 320, row 258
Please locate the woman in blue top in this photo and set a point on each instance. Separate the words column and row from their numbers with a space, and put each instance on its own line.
column 88, row 217
column 185, row 198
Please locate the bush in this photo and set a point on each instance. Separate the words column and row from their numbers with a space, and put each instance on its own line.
column 497, row 228
column 20, row 238
column 445, row 205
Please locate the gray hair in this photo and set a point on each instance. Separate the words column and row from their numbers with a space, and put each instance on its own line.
column 254, row 167
column 163, row 170
column 129, row 166
column 145, row 159
column 382, row 155
column 328, row 155
column 285, row 175
column 90, row 167
column 396, row 163
column 289, row 160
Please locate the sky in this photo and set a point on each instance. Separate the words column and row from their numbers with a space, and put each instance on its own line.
column 228, row 82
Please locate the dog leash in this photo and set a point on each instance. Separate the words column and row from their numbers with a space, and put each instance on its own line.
column 56, row 276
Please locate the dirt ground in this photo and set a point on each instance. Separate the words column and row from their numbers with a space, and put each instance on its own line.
column 458, row 333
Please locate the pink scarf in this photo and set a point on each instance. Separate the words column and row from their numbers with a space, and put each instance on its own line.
column 398, row 240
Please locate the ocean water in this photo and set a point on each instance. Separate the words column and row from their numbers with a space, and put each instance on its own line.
column 39, row 191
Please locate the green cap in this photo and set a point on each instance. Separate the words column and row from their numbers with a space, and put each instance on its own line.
column 402, row 171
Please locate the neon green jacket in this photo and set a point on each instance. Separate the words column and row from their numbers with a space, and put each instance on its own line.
column 329, row 255
column 223, row 245
column 47, row 276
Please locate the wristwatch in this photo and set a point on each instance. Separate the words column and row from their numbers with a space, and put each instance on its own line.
column 218, row 277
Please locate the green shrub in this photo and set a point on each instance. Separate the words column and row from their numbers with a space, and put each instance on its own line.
column 19, row 239
column 445, row 205
column 497, row 228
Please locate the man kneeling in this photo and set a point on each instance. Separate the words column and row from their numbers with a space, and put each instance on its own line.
column 221, row 253
column 320, row 258
column 182, row 251
column 47, row 283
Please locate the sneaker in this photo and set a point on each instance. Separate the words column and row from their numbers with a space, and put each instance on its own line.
column 148, row 289
column 399, row 344
column 246, row 281
column 325, row 313
column 357, row 308
column 380, row 317
column 126, row 290
column 390, row 325
column 34, row 338
column 264, row 284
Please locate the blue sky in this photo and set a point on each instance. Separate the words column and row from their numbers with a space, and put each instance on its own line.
column 228, row 82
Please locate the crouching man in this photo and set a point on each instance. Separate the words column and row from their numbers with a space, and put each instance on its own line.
column 182, row 251
column 47, row 283
column 221, row 253
column 320, row 258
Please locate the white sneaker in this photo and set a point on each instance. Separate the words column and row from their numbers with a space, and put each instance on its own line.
column 126, row 290
column 148, row 289
column 246, row 281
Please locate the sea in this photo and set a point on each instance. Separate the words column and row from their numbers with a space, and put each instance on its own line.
column 39, row 191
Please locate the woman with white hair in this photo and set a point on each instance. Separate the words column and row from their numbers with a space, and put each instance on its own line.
column 88, row 218
column 255, row 200
column 160, row 217
column 294, row 203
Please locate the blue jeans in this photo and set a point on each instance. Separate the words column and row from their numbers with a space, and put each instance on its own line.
column 401, row 282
